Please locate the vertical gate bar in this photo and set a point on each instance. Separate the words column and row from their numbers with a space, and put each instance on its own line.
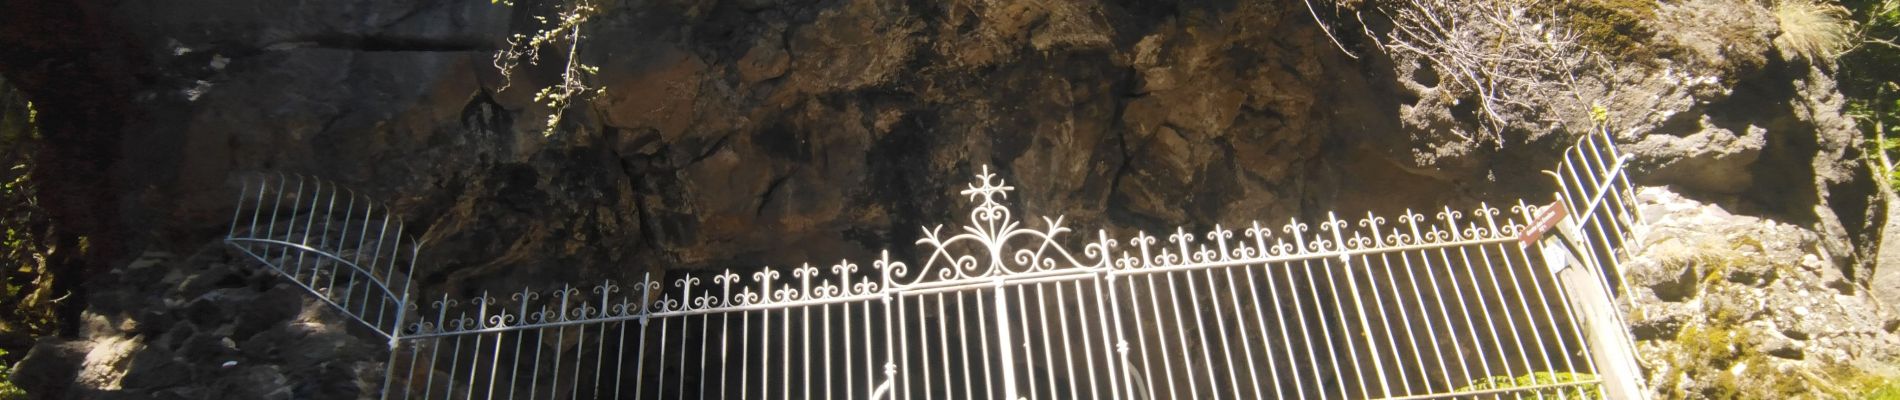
column 403, row 305
column 276, row 207
column 1048, row 344
column 1345, row 329
column 620, row 357
column 362, row 235
column 1260, row 320
column 1175, row 304
column 659, row 362
column 983, row 343
column 1114, row 339
column 343, row 235
column 521, row 338
column 382, row 281
column 1306, row 336
column 1280, row 324
column 389, row 368
column 1220, row 331
column 309, row 221
column 580, row 355
column 1471, row 275
column 850, row 387
column 1523, row 302
column 1029, row 343
column 1306, row 330
column 1088, row 355
column 804, row 355
column 1378, row 302
column 825, row 326
column 1610, row 145
column 1491, row 275
column 428, row 385
column 1464, row 308
column 1338, row 227
column 785, row 354
column 400, row 300
column 900, row 352
column 639, row 358
column 369, row 271
column 323, row 237
column 1062, row 324
column 257, row 211
column 963, row 329
column 1326, row 332
column 475, row 360
column 355, row 256
column 289, row 232
column 1612, row 174
column 725, row 281
column 264, row 189
column 870, row 366
column 705, row 322
column 534, row 374
column 1036, row 339
column 1615, row 211
column 1240, row 328
column 684, row 344
column 1161, row 333
column 600, row 341
column 745, row 353
column 237, row 209
column 560, row 345
column 765, row 331
column 1431, row 331
column 1109, row 322
column 395, row 250
column 943, row 346
column 1587, row 254
column 1003, row 340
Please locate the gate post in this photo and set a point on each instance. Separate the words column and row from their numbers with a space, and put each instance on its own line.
column 1602, row 326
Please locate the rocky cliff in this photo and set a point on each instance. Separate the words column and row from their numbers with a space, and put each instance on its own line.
column 745, row 133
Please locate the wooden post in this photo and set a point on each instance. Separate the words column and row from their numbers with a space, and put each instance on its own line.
column 1603, row 327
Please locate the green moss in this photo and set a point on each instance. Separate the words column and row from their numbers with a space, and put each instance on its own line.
column 1887, row 389
column 1536, row 379
column 1706, row 354
column 1612, row 27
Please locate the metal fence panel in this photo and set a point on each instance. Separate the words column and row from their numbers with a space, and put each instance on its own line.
column 1441, row 304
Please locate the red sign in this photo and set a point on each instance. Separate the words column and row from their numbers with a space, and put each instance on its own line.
column 1547, row 218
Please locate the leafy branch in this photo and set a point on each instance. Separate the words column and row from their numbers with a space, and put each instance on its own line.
column 566, row 28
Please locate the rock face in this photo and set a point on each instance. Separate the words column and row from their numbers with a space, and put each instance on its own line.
column 1728, row 306
column 204, row 327
column 747, row 133
column 741, row 134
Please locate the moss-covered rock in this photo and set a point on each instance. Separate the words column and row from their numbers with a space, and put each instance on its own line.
column 1738, row 307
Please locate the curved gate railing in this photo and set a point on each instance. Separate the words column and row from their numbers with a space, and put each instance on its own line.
column 1451, row 303
column 341, row 247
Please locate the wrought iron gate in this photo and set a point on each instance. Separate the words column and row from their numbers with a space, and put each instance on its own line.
column 1439, row 304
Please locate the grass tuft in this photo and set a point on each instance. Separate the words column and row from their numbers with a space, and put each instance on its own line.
column 1813, row 30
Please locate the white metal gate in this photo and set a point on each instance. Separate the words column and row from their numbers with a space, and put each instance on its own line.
column 1441, row 304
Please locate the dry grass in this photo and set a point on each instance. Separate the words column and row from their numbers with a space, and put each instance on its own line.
column 1814, row 30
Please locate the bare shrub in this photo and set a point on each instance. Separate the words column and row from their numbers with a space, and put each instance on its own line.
column 1512, row 57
